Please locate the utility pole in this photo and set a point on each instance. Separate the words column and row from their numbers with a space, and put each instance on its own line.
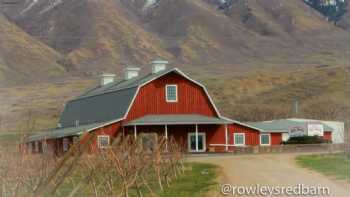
column 296, row 107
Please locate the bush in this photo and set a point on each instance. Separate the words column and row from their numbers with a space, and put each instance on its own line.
column 307, row 140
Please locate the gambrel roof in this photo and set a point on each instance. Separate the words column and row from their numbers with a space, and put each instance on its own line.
column 112, row 101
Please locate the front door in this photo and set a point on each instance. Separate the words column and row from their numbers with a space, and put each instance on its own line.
column 192, row 142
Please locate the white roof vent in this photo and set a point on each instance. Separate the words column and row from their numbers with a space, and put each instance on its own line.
column 77, row 123
column 159, row 65
column 107, row 78
column 131, row 72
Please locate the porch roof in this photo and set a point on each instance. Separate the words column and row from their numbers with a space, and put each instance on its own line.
column 62, row 132
column 176, row 119
column 284, row 125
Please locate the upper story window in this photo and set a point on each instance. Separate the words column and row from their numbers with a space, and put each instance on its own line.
column 171, row 93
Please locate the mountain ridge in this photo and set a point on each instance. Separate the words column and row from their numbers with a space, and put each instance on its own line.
column 90, row 36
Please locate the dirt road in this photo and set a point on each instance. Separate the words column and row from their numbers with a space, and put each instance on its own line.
column 274, row 170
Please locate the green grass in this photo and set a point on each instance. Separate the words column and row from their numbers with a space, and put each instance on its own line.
column 337, row 165
column 195, row 182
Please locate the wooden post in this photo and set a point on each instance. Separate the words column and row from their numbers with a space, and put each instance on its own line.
column 197, row 138
column 226, row 138
column 166, row 137
column 135, row 132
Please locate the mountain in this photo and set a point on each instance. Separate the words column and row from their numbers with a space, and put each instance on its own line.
column 92, row 35
column 23, row 58
column 210, row 36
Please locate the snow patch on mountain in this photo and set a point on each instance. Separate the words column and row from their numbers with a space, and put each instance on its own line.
column 52, row 4
column 150, row 4
column 30, row 6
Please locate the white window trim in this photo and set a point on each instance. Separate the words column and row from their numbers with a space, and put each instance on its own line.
column 234, row 139
column 268, row 134
column 204, row 142
column 166, row 93
column 98, row 141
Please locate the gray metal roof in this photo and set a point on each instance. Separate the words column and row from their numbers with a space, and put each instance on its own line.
column 282, row 125
column 123, row 84
column 105, row 103
column 176, row 119
column 101, row 108
column 62, row 132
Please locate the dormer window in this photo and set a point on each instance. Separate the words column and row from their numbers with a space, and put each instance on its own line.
column 171, row 93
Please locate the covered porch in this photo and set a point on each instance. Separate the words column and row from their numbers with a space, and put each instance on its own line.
column 193, row 132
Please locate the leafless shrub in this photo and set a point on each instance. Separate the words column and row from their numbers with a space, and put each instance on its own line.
column 325, row 108
column 20, row 173
column 125, row 168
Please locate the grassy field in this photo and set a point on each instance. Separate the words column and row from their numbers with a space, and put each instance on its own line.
column 199, row 178
column 197, row 181
column 337, row 165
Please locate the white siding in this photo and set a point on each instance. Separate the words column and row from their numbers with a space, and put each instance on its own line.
column 285, row 137
column 338, row 127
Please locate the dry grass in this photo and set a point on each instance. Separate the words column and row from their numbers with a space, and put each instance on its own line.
column 41, row 104
column 268, row 95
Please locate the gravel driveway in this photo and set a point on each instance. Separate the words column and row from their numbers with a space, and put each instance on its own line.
column 271, row 169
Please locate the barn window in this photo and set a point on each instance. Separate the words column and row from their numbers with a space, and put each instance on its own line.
column 239, row 139
column 65, row 145
column 265, row 139
column 171, row 93
column 103, row 141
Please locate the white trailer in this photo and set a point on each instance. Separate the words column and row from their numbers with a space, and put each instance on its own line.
column 338, row 128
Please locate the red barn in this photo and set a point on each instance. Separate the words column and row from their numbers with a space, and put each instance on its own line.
column 165, row 102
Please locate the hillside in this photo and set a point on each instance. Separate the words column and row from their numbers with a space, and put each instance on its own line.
column 95, row 36
column 322, row 93
column 21, row 56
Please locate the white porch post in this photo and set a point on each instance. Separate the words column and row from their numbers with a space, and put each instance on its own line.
column 226, row 138
column 135, row 132
column 166, row 137
column 197, row 138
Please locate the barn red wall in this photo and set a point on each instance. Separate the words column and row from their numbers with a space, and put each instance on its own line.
column 327, row 135
column 112, row 130
column 276, row 138
column 251, row 135
column 192, row 99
